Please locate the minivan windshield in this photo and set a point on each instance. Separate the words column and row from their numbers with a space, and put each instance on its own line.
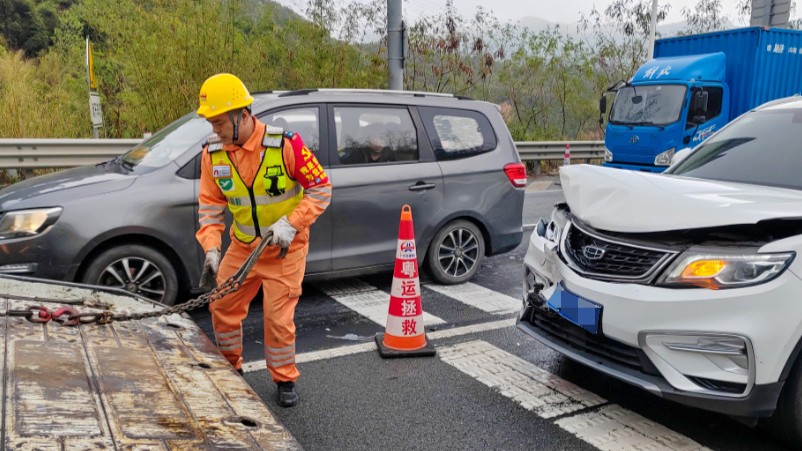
column 648, row 105
column 167, row 144
column 762, row 148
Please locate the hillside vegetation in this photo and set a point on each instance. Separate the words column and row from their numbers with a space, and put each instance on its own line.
column 151, row 57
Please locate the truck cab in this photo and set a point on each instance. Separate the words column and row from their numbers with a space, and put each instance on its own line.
column 670, row 104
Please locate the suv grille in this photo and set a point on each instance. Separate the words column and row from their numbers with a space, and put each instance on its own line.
column 573, row 336
column 592, row 254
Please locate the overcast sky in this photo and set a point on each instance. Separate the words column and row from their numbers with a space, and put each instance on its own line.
column 560, row 11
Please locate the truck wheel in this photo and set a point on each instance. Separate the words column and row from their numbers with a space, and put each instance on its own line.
column 786, row 423
column 455, row 253
column 138, row 269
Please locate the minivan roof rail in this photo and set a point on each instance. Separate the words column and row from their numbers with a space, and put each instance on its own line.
column 303, row 92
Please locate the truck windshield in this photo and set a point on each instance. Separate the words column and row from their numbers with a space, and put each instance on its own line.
column 760, row 148
column 648, row 105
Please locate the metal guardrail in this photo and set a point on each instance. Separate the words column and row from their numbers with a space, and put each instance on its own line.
column 28, row 154
column 555, row 150
column 59, row 153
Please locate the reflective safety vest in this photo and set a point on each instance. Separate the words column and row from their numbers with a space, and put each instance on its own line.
column 272, row 196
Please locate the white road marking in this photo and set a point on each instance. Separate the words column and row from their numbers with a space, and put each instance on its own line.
column 533, row 388
column 616, row 428
column 367, row 300
column 478, row 296
column 611, row 427
column 342, row 351
column 374, row 305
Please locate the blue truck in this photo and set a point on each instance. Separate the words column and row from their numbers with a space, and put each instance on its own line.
column 693, row 87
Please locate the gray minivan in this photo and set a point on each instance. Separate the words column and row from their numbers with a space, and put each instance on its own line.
column 130, row 222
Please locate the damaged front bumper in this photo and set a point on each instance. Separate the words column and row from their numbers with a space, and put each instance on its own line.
column 694, row 346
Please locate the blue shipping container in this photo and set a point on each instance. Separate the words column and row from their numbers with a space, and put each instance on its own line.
column 762, row 64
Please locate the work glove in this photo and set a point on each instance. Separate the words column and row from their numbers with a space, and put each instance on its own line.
column 283, row 233
column 208, row 279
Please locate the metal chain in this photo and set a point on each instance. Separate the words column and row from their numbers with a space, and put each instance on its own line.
column 68, row 316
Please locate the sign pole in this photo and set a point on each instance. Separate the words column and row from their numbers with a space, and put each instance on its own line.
column 95, row 111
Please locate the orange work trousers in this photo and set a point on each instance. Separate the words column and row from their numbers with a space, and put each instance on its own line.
column 280, row 280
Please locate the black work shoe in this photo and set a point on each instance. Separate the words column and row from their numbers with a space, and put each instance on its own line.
column 287, row 397
column 241, row 373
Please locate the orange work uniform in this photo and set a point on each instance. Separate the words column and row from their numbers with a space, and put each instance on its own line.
column 280, row 279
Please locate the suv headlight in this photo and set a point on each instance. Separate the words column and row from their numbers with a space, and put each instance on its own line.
column 717, row 269
column 24, row 223
column 664, row 158
column 556, row 225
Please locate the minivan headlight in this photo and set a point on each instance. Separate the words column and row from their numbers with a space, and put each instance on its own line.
column 24, row 223
column 718, row 269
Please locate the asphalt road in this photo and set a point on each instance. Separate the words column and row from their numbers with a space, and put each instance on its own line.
column 489, row 387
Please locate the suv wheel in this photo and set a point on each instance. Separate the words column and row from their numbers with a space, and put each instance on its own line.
column 786, row 423
column 138, row 269
column 455, row 253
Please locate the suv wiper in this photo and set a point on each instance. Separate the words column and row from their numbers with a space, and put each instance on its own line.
column 120, row 161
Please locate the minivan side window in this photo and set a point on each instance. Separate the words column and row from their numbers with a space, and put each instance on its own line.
column 304, row 121
column 371, row 135
column 457, row 133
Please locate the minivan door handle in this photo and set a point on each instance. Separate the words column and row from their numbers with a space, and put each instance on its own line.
column 421, row 186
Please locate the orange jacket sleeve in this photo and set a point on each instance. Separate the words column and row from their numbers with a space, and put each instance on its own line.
column 303, row 167
column 211, row 208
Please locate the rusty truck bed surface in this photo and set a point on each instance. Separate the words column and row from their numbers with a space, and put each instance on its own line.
column 146, row 384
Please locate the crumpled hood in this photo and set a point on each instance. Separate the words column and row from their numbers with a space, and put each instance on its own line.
column 628, row 201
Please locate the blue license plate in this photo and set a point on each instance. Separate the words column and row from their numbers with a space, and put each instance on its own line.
column 580, row 311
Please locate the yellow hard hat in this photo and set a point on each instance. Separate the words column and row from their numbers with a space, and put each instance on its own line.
column 222, row 93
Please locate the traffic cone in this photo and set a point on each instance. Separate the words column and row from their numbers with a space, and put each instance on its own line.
column 404, row 334
column 567, row 156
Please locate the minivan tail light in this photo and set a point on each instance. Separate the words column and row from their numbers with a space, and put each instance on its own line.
column 516, row 172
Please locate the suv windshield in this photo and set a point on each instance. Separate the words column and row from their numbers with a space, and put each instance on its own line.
column 167, row 144
column 761, row 148
column 648, row 105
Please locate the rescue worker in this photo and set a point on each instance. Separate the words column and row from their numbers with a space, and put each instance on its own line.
column 271, row 182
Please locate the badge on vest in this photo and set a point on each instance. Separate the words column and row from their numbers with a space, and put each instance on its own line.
column 221, row 172
column 225, row 184
column 275, row 181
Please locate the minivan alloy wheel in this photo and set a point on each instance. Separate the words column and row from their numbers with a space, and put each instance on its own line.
column 136, row 275
column 138, row 269
column 456, row 252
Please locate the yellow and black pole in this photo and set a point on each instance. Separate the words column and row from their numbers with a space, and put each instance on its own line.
column 95, row 112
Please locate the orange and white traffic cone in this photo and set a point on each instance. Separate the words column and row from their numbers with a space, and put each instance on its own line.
column 404, row 335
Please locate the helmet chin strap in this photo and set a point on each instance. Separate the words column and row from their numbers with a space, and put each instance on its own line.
column 235, row 124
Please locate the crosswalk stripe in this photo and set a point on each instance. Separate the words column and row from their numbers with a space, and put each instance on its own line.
column 613, row 427
column 528, row 385
column 607, row 427
column 343, row 351
column 478, row 296
column 368, row 301
column 374, row 306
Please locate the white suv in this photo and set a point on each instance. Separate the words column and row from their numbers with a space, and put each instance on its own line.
column 687, row 283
